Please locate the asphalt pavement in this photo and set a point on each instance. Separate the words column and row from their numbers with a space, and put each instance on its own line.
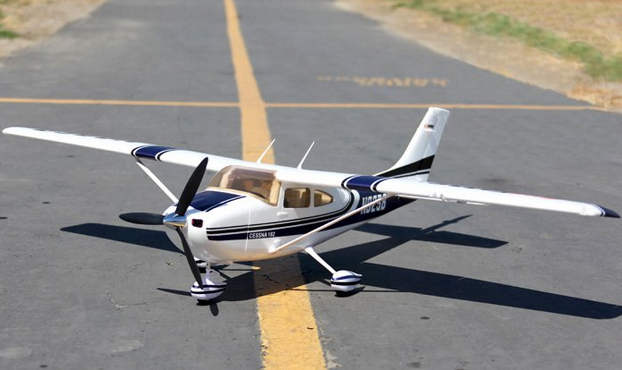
column 446, row 286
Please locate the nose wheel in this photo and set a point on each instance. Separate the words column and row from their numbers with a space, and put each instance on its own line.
column 208, row 290
column 342, row 281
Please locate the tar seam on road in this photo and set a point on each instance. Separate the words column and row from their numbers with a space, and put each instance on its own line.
column 441, row 105
column 289, row 334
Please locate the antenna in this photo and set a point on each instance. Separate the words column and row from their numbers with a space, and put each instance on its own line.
column 305, row 157
column 265, row 151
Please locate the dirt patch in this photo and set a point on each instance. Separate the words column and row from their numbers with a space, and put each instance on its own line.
column 512, row 58
column 34, row 20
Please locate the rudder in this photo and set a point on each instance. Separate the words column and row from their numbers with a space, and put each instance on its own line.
column 419, row 155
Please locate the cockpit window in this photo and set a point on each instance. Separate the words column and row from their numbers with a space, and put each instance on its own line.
column 321, row 198
column 297, row 198
column 260, row 183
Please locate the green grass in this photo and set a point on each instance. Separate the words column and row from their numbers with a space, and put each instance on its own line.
column 4, row 33
column 597, row 65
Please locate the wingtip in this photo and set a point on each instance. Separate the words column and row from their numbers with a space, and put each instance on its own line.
column 17, row 131
column 609, row 213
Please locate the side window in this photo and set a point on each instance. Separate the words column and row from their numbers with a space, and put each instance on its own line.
column 321, row 198
column 297, row 198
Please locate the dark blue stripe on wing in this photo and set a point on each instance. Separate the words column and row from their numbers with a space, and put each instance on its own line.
column 151, row 151
column 365, row 183
column 609, row 213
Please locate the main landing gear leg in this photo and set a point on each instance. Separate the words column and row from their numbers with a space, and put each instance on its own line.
column 209, row 290
column 202, row 265
column 342, row 281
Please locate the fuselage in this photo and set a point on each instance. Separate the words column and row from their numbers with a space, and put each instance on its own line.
column 244, row 215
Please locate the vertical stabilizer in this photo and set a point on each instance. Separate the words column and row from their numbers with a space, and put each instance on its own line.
column 419, row 155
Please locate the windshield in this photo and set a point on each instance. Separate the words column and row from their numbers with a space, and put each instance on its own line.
column 260, row 183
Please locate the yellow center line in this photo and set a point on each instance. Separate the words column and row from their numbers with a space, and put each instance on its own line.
column 255, row 107
column 289, row 333
column 153, row 103
column 255, row 131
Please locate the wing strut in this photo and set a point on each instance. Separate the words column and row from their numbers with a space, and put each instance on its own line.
column 155, row 179
column 314, row 254
column 331, row 223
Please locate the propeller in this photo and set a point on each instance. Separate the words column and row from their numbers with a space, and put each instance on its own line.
column 193, row 265
column 176, row 220
column 191, row 188
column 143, row 218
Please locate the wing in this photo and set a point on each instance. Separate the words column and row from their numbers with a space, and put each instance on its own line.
column 136, row 149
column 404, row 187
column 414, row 189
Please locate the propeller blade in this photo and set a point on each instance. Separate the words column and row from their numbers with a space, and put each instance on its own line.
column 191, row 188
column 142, row 218
column 193, row 265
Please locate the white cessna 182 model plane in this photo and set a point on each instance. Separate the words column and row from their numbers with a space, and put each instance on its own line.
column 254, row 211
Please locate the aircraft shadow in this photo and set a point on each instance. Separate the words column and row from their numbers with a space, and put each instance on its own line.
column 387, row 279
column 431, row 234
column 391, row 279
column 403, row 280
column 155, row 239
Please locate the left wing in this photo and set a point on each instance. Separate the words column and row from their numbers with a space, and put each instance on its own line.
column 414, row 189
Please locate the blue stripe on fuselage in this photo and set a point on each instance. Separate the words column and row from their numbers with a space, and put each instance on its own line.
column 389, row 205
column 304, row 226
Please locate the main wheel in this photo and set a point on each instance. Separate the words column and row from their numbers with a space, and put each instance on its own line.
column 345, row 281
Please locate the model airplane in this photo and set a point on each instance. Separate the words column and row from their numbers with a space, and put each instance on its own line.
column 253, row 211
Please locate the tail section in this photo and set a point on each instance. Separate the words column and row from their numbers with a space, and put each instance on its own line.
column 419, row 155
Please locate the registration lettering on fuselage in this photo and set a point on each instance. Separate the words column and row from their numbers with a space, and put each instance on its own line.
column 380, row 206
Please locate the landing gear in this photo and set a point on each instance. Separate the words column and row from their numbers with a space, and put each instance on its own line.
column 345, row 281
column 209, row 290
column 342, row 281
column 202, row 265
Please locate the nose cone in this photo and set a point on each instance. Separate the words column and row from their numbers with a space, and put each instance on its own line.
column 202, row 203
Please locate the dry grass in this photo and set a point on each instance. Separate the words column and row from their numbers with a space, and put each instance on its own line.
column 461, row 29
column 595, row 22
column 568, row 29
column 25, row 22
